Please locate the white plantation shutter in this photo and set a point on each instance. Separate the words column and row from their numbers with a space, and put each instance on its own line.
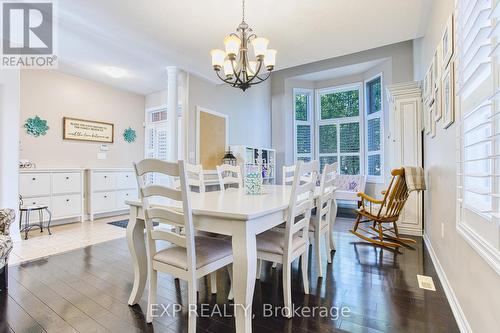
column 478, row 36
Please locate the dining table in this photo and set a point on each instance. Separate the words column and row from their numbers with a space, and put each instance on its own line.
column 231, row 212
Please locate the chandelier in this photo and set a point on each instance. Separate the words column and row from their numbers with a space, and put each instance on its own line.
column 239, row 70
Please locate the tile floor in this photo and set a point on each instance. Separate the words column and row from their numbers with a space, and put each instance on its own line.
column 65, row 238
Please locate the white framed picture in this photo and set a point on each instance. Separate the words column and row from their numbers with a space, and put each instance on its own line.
column 425, row 118
column 438, row 107
column 447, row 43
column 448, row 95
column 429, row 83
column 432, row 121
column 437, row 68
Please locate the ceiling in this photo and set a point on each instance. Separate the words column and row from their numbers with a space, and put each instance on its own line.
column 338, row 72
column 145, row 37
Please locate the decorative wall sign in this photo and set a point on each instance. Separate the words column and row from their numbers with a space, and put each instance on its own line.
column 438, row 106
column 429, row 84
column 447, row 43
column 87, row 130
column 129, row 135
column 36, row 126
column 437, row 67
column 448, row 96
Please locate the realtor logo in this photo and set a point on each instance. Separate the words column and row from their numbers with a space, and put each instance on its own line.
column 28, row 34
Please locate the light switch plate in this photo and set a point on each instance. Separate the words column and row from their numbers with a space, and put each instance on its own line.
column 426, row 282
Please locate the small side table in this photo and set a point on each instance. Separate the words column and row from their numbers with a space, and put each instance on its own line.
column 26, row 210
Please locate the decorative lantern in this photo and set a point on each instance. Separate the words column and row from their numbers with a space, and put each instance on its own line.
column 229, row 158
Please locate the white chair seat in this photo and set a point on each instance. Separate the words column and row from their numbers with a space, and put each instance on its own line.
column 274, row 242
column 208, row 250
column 33, row 207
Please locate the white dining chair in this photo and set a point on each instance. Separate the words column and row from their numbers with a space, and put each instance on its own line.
column 288, row 175
column 320, row 221
column 191, row 257
column 195, row 176
column 229, row 175
column 285, row 247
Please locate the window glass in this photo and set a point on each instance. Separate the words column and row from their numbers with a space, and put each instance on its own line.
column 340, row 104
column 303, row 139
column 327, row 139
column 374, row 96
column 374, row 166
column 373, row 133
column 349, row 138
column 301, row 104
column 349, row 165
column 326, row 160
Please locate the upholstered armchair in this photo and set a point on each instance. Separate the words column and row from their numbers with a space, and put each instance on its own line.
column 6, row 218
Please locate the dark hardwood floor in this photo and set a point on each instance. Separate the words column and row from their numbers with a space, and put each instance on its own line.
column 87, row 291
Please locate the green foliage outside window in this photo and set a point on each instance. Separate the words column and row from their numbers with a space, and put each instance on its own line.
column 327, row 139
column 349, row 138
column 374, row 96
column 301, row 107
column 340, row 104
column 349, row 165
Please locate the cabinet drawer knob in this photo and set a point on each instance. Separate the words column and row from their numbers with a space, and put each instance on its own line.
column 67, row 200
column 67, row 178
column 34, row 203
column 105, row 176
column 34, row 178
column 105, row 196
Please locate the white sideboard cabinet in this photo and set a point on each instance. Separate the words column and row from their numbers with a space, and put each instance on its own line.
column 108, row 189
column 405, row 137
column 60, row 189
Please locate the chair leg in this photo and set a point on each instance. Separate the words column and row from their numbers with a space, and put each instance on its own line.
column 380, row 232
column 328, row 248
column 230, row 271
column 317, row 245
column 4, row 277
column 304, row 261
column 287, row 288
column 259, row 269
column 152, row 292
column 192, row 303
column 356, row 224
column 213, row 282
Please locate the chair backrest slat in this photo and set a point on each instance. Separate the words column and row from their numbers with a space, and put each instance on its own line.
column 229, row 175
column 301, row 201
column 395, row 196
column 161, row 191
column 195, row 176
column 288, row 175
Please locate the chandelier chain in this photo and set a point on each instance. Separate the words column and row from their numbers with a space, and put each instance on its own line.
column 243, row 7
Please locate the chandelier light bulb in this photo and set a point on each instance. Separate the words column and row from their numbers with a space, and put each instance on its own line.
column 260, row 47
column 232, row 44
column 217, row 58
column 228, row 69
column 270, row 59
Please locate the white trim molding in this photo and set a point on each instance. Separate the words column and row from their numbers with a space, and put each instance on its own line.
column 462, row 322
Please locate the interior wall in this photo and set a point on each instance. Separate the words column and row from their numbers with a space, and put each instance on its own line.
column 397, row 68
column 249, row 112
column 53, row 95
column 474, row 283
column 9, row 138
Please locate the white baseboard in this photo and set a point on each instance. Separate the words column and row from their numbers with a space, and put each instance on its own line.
column 462, row 322
column 410, row 231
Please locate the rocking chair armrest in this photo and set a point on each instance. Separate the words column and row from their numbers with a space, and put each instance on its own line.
column 368, row 198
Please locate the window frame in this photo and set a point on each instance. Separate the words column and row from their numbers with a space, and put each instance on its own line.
column 309, row 122
column 338, row 121
column 379, row 114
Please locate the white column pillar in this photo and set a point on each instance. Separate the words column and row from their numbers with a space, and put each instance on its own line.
column 9, row 142
column 172, row 121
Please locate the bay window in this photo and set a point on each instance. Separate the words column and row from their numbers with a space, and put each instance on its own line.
column 345, row 127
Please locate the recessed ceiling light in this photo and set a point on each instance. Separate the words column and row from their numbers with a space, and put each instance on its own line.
column 114, row 72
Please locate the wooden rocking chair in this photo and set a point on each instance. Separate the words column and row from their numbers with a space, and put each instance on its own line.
column 383, row 211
